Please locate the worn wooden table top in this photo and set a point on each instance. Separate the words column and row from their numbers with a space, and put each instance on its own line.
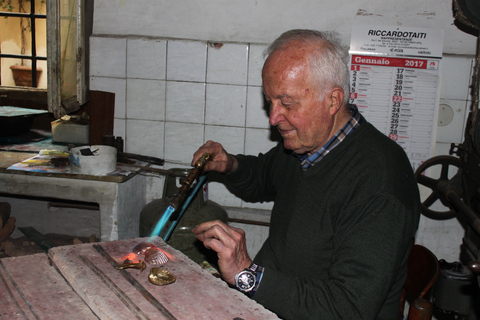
column 82, row 282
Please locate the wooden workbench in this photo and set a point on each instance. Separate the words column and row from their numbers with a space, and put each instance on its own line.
column 80, row 282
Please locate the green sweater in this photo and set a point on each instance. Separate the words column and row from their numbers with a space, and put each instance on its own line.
column 340, row 232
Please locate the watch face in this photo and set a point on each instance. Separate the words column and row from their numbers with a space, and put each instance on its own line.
column 245, row 281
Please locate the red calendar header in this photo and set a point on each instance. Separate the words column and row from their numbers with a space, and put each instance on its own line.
column 392, row 62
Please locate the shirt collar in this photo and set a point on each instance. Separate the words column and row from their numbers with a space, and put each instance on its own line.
column 353, row 123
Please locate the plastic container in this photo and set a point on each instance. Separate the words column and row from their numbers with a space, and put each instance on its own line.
column 94, row 160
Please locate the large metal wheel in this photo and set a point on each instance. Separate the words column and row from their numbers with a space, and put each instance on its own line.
column 437, row 185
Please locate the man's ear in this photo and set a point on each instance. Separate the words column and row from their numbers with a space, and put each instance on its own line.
column 336, row 98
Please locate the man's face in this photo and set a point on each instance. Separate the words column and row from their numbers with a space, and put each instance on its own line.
column 296, row 106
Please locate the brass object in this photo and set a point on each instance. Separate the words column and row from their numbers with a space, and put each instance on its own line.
column 152, row 254
column 142, row 247
column 160, row 277
column 130, row 264
column 155, row 256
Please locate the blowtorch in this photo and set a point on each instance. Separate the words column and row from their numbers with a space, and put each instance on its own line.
column 174, row 204
column 187, row 183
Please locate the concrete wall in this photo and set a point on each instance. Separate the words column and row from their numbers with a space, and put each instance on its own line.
column 188, row 71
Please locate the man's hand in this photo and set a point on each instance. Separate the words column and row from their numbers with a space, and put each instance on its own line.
column 230, row 245
column 220, row 160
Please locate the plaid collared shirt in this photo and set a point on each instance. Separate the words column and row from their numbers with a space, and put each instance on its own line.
column 353, row 123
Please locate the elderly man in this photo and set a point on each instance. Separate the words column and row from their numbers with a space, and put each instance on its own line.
column 346, row 201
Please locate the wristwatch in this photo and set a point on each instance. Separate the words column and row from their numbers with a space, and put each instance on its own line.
column 246, row 279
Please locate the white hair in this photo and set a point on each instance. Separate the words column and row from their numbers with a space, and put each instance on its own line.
column 329, row 60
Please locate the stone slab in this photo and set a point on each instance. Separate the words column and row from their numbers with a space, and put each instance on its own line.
column 32, row 288
column 196, row 294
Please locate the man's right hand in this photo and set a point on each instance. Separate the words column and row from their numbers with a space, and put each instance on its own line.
column 220, row 160
column 230, row 245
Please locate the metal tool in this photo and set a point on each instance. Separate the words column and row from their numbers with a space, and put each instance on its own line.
column 148, row 169
column 187, row 183
column 178, row 198
column 134, row 309
column 152, row 160
column 186, row 203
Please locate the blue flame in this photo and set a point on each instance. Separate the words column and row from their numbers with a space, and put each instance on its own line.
column 199, row 184
column 168, row 212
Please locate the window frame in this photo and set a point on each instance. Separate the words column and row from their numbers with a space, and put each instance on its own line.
column 51, row 97
column 56, row 105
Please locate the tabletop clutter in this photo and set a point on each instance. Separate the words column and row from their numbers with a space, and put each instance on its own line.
column 89, row 160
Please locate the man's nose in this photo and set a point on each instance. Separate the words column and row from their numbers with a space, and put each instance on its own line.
column 275, row 113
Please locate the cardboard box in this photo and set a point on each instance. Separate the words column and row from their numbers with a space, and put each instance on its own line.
column 67, row 131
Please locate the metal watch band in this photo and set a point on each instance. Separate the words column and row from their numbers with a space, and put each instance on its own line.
column 253, row 267
column 258, row 270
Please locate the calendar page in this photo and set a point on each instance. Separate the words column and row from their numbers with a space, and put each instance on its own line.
column 394, row 79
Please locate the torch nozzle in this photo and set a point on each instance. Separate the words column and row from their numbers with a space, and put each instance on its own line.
column 190, row 179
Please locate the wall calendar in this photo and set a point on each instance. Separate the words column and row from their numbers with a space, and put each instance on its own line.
column 394, row 80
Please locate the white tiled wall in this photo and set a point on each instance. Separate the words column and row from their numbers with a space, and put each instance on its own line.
column 171, row 96
column 174, row 95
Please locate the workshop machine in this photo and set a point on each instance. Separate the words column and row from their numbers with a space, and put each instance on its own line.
column 458, row 188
